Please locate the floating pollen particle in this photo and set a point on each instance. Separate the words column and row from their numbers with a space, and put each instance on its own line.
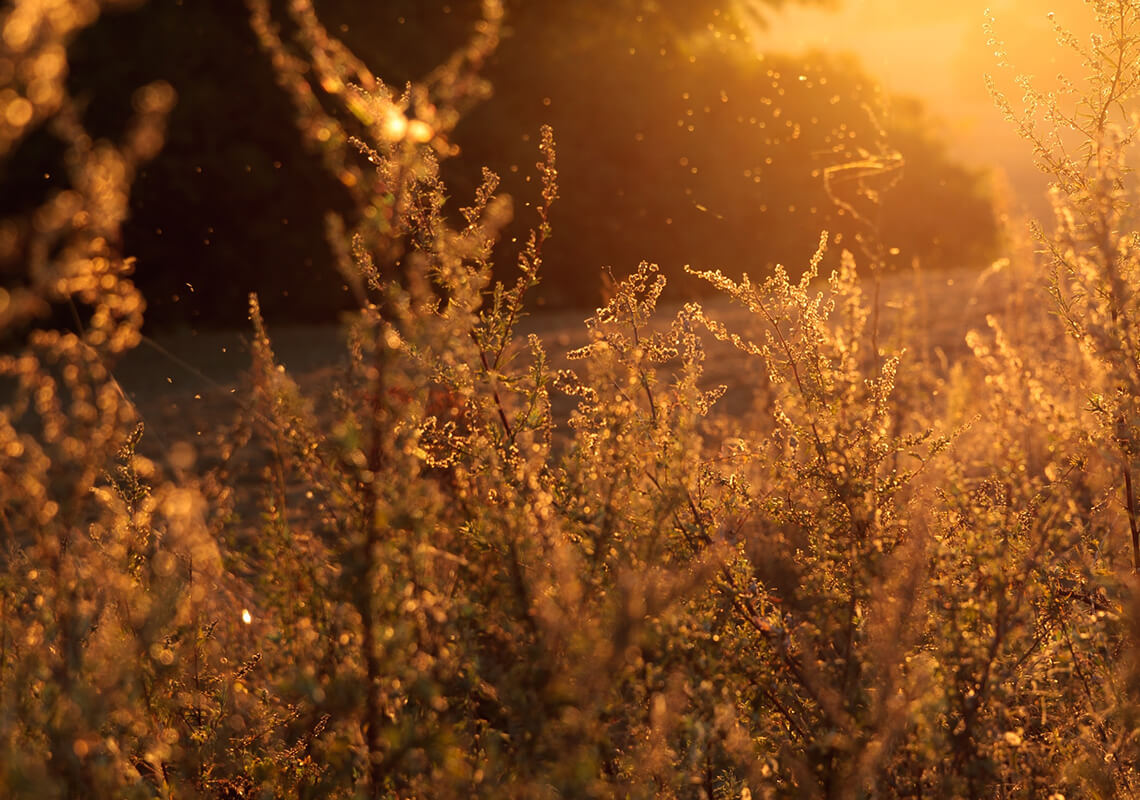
column 395, row 125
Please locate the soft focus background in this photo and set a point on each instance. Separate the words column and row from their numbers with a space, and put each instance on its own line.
column 939, row 52
column 688, row 133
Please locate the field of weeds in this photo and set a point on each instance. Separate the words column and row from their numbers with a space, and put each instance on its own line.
column 838, row 531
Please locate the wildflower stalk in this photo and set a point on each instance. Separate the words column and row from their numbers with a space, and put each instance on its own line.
column 368, row 592
column 1130, row 505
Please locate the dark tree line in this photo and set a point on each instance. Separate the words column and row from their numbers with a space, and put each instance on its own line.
column 677, row 143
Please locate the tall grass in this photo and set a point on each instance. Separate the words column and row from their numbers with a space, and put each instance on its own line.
column 889, row 578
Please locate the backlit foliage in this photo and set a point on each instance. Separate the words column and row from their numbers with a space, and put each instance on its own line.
column 889, row 577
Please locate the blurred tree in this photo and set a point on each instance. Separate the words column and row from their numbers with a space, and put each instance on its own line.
column 693, row 148
column 234, row 202
column 678, row 143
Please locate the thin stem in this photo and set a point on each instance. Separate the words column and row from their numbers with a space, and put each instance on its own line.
column 1130, row 504
column 495, row 394
column 367, row 600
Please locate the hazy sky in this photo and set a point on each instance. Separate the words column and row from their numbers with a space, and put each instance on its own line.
column 939, row 52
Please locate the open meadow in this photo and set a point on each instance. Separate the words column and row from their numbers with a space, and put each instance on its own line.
column 861, row 525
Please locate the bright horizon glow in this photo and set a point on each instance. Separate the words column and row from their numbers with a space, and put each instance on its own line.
column 939, row 53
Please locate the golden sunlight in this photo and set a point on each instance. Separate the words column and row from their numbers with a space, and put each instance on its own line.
column 586, row 399
column 940, row 53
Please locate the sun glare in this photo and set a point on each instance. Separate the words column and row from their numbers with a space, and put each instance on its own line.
column 939, row 52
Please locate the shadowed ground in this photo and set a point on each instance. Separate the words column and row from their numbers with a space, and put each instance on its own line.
column 187, row 386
